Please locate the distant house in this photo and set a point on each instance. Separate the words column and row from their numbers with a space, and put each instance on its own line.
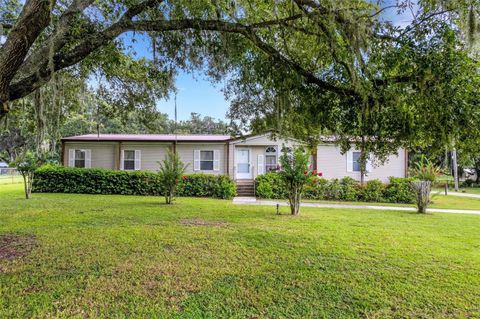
column 241, row 158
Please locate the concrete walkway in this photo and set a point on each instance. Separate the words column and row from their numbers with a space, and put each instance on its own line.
column 254, row 201
column 452, row 193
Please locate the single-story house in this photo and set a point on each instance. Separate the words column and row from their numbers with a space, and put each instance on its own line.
column 242, row 158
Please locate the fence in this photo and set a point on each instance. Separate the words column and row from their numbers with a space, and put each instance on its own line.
column 10, row 176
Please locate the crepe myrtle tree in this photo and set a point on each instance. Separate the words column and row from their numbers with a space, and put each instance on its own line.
column 171, row 170
column 294, row 173
column 26, row 165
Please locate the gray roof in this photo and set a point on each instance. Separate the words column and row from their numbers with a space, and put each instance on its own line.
column 148, row 138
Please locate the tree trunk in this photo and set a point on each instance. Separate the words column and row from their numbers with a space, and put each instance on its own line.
column 455, row 168
column 294, row 201
column 422, row 192
column 33, row 19
column 25, row 185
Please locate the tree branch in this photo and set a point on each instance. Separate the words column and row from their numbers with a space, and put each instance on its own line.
column 33, row 19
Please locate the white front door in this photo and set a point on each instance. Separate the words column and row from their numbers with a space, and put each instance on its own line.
column 243, row 163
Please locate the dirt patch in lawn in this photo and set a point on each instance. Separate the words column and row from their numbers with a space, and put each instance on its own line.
column 202, row 222
column 14, row 246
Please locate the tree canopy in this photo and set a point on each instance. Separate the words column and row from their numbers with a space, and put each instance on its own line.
column 301, row 67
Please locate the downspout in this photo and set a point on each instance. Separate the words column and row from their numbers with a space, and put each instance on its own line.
column 228, row 159
column 62, row 154
column 406, row 163
column 119, row 155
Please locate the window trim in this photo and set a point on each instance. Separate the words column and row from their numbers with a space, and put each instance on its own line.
column 212, row 160
column 356, row 162
column 84, row 158
column 271, row 167
column 130, row 160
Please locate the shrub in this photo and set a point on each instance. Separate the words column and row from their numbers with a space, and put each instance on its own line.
column 264, row 190
column 315, row 188
column 333, row 190
column 58, row 179
column 399, row 190
column 373, row 191
column 349, row 189
column 275, row 189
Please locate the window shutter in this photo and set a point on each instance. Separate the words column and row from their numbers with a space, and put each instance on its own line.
column 216, row 160
column 138, row 160
column 196, row 160
column 71, row 158
column 88, row 158
column 121, row 160
column 260, row 165
column 368, row 165
column 349, row 161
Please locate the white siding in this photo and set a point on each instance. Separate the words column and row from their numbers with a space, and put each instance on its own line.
column 186, row 153
column 150, row 154
column 333, row 164
column 102, row 154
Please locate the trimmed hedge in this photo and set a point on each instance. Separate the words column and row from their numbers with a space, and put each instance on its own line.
column 398, row 190
column 59, row 179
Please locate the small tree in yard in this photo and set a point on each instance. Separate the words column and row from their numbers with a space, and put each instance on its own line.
column 27, row 164
column 171, row 170
column 294, row 173
column 426, row 173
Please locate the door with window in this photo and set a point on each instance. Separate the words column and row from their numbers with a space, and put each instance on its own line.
column 243, row 163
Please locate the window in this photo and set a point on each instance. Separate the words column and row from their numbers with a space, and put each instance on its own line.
column 80, row 158
column 356, row 161
column 128, row 160
column 270, row 158
column 206, row 160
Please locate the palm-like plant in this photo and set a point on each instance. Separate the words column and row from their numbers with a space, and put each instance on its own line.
column 425, row 173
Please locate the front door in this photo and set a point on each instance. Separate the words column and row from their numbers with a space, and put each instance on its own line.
column 243, row 162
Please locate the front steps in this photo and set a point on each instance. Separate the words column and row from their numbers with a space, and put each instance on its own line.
column 245, row 187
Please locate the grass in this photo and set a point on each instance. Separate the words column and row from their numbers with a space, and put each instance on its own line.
column 10, row 179
column 468, row 190
column 438, row 201
column 131, row 257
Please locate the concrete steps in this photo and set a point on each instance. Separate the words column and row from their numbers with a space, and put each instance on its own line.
column 245, row 188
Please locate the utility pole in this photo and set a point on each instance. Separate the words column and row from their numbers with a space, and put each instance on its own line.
column 455, row 168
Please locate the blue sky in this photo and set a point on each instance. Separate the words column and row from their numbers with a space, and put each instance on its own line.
column 197, row 94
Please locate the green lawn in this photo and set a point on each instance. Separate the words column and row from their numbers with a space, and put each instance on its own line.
column 469, row 190
column 9, row 179
column 129, row 257
column 438, row 201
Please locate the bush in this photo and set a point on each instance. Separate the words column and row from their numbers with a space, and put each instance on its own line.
column 270, row 185
column 373, row 191
column 333, row 190
column 58, row 179
column 349, row 189
column 399, row 190
column 315, row 188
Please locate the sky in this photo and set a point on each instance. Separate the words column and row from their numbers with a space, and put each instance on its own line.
column 195, row 93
